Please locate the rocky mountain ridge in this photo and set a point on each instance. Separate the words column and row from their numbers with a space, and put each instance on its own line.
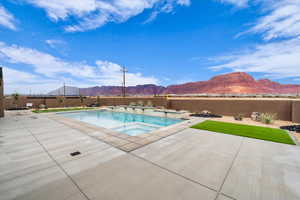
column 233, row 83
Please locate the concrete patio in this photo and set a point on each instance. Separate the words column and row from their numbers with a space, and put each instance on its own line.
column 35, row 164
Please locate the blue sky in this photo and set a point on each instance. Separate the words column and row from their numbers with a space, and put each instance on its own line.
column 85, row 42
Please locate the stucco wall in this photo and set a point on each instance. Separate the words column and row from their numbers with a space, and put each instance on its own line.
column 1, row 94
column 283, row 108
column 156, row 101
column 53, row 102
column 296, row 112
column 286, row 109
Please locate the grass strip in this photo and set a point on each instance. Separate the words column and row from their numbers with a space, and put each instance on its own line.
column 257, row 132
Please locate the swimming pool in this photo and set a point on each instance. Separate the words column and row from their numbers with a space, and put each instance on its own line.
column 128, row 123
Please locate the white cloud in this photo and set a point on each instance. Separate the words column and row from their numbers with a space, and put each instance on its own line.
column 55, row 43
column 276, row 59
column 47, row 69
column 92, row 14
column 12, row 76
column 281, row 19
column 59, row 46
column 184, row 2
column 238, row 3
column 165, row 7
column 111, row 75
column 6, row 19
column 24, row 82
column 43, row 63
column 61, row 9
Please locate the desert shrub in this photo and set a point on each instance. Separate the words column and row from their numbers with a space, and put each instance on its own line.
column 61, row 100
column 81, row 98
column 140, row 103
column 149, row 103
column 268, row 118
column 42, row 106
column 15, row 96
column 132, row 104
column 256, row 116
column 205, row 112
column 239, row 117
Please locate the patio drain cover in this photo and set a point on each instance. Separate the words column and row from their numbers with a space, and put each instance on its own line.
column 75, row 153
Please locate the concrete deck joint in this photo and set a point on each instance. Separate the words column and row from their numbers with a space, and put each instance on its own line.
column 71, row 179
column 172, row 172
column 227, row 173
column 225, row 196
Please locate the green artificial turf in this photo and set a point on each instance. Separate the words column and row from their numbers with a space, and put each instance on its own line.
column 60, row 110
column 263, row 133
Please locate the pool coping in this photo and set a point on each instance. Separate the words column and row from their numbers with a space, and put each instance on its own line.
column 123, row 141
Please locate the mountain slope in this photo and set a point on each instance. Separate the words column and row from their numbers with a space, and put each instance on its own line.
column 117, row 90
column 67, row 90
column 233, row 83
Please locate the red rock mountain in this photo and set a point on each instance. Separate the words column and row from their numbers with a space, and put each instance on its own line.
column 117, row 90
column 233, row 83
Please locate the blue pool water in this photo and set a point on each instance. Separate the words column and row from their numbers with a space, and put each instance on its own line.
column 128, row 123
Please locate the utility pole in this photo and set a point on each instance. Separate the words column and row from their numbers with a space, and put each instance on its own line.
column 124, row 71
column 64, row 98
column 64, row 89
